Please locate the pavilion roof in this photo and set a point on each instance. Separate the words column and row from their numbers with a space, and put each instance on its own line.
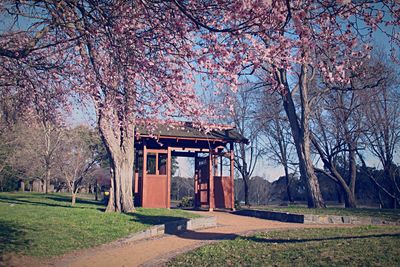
column 186, row 130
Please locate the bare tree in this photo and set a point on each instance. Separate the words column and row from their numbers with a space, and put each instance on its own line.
column 277, row 136
column 336, row 133
column 78, row 158
column 382, row 119
column 244, row 117
column 36, row 153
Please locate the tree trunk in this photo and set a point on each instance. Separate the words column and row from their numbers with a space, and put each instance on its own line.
column 349, row 199
column 392, row 179
column 73, row 201
column 302, row 143
column 289, row 195
column 301, row 137
column 120, row 146
column 21, row 186
column 353, row 169
column 121, row 195
column 46, row 180
column 96, row 197
column 349, row 196
column 246, row 191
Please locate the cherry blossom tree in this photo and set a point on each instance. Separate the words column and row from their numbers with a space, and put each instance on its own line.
column 135, row 60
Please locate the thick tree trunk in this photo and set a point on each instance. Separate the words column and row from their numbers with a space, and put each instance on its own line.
column 301, row 137
column 349, row 198
column 120, row 146
column 314, row 196
column 121, row 195
column 302, row 143
column 349, row 194
column 334, row 174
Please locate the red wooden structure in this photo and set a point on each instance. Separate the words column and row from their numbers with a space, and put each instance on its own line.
column 154, row 152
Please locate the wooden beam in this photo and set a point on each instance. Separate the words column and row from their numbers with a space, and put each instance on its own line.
column 205, row 150
column 184, row 154
column 150, row 150
column 187, row 138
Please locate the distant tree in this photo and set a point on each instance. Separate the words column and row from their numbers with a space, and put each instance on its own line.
column 382, row 120
column 79, row 157
column 259, row 191
column 181, row 187
column 36, row 151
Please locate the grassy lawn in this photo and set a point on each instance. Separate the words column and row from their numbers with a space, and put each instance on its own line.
column 361, row 246
column 46, row 225
column 388, row 214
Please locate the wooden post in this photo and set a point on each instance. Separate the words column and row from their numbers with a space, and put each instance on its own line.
column 232, row 176
column 211, row 201
column 136, row 176
column 196, row 183
column 144, row 176
column 220, row 171
column 169, row 170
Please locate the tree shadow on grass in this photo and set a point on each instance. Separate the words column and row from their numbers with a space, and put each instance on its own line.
column 12, row 238
column 304, row 240
column 67, row 199
column 36, row 201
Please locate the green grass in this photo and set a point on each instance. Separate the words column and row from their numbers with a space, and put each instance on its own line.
column 388, row 214
column 46, row 225
column 360, row 246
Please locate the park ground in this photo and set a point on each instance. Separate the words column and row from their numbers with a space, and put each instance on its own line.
column 37, row 230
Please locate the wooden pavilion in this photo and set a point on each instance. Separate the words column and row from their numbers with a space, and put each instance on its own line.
column 212, row 151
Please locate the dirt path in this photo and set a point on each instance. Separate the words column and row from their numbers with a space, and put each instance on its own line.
column 155, row 252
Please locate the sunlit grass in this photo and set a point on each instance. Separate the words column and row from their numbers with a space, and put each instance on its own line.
column 47, row 225
column 360, row 246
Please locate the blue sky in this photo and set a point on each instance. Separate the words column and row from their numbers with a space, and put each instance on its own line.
column 84, row 114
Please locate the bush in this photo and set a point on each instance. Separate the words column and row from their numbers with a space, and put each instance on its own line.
column 186, row 202
column 237, row 205
column 8, row 180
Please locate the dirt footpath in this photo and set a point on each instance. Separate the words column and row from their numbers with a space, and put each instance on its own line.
column 156, row 251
